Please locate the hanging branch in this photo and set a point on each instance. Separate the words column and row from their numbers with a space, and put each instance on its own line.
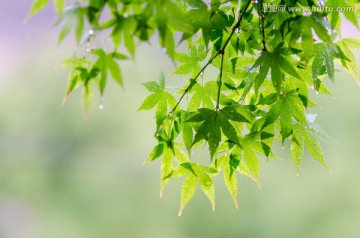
column 220, row 52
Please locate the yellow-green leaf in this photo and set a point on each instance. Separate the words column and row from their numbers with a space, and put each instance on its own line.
column 207, row 186
column 166, row 168
column 59, row 5
column 187, row 191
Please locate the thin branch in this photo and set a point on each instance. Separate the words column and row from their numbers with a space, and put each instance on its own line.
column 193, row 81
column 262, row 27
column 221, row 51
column 220, row 81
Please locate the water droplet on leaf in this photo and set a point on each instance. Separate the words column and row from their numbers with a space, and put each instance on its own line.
column 297, row 174
column 101, row 106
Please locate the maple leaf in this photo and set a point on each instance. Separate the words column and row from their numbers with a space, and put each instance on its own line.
column 213, row 123
column 160, row 97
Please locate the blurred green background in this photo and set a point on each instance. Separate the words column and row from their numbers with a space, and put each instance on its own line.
column 63, row 177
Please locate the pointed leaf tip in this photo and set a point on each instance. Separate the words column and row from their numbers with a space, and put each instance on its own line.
column 36, row 7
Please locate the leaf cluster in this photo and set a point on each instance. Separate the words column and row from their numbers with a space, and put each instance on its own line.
column 267, row 64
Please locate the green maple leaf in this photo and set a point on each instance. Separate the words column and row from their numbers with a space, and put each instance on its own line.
column 278, row 64
column 305, row 135
column 231, row 163
column 189, row 63
column 308, row 81
column 124, row 31
column 213, row 123
column 251, row 145
column 203, row 96
column 195, row 173
column 324, row 54
column 288, row 106
column 169, row 151
column 160, row 97
column 84, row 76
column 170, row 18
column 304, row 26
column 234, row 69
column 200, row 17
column 106, row 63
column 188, row 190
column 187, row 131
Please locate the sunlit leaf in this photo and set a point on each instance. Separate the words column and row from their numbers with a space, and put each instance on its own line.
column 207, row 186
column 166, row 168
column 187, row 191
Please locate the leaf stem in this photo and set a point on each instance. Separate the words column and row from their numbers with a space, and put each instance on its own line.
column 221, row 51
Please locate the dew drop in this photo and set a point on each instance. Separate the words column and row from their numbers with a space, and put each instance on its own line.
column 91, row 32
column 237, row 31
column 101, row 105
column 297, row 174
